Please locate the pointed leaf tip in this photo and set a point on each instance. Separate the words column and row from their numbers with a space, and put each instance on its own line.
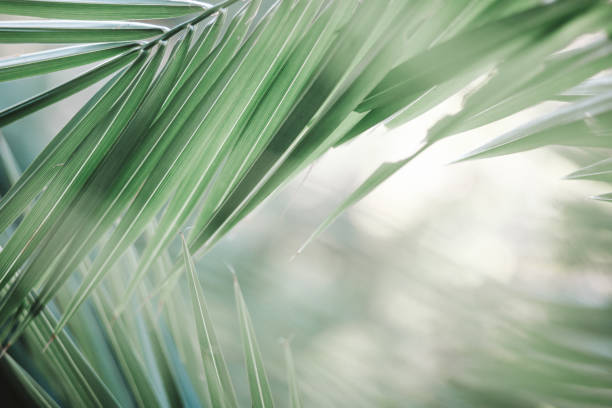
column 261, row 395
column 603, row 197
column 294, row 396
column 218, row 379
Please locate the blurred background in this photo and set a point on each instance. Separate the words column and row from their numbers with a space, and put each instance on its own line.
column 477, row 284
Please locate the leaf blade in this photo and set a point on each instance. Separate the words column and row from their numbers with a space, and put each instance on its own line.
column 102, row 9
column 58, row 31
column 294, row 393
column 69, row 88
column 217, row 375
column 261, row 395
column 35, row 390
column 45, row 62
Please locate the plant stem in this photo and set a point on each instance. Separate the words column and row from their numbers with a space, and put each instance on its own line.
column 174, row 30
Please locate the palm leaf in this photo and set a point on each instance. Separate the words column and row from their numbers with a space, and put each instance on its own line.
column 73, row 175
column 158, row 182
column 501, row 96
column 34, row 389
column 261, row 396
column 580, row 124
column 242, row 107
column 101, row 9
column 600, row 171
column 66, row 89
column 74, row 31
column 55, row 154
column 294, row 395
column 217, row 376
column 59, row 59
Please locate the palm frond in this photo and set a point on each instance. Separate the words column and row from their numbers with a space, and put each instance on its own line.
column 203, row 120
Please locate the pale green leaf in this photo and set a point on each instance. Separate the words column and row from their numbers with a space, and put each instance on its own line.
column 43, row 62
column 217, row 375
column 50, row 31
column 8, row 161
column 102, row 9
column 466, row 51
column 584, row 123
column 54, row 155
column 66, row 89
column 65, row 186
column 261, row 395
column 380, row 175
column 600, row 171
column 197, row 181
column 603, row 197
column 138, row 167
column 294, row 392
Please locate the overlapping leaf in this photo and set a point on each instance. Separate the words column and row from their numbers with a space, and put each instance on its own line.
column 261, row 395
column 511, row 88
column 217, row 376
column 240, row 108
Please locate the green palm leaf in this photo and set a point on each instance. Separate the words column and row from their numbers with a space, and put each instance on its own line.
column 18, row 111
column 294, row 394
column 600, row 171
column 59, row 59
column 217, row 376
column 261, row 395
column 102, row 9
column 74, row 31
column 34, row 389
column 584, row 123
column 243, row 103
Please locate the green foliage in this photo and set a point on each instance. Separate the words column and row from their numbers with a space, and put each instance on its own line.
column 220, row 387
column 102, row 10
column 199, row 121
